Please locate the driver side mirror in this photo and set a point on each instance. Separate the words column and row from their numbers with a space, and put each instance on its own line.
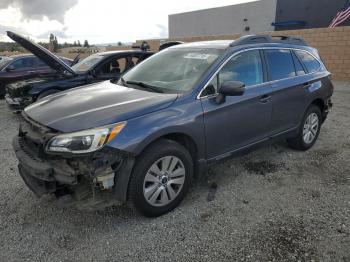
column 230, row 88
column 10, row 68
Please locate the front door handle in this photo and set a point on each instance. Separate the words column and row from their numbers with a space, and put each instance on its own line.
column 264, row 99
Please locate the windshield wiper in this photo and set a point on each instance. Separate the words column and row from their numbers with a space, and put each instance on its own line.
column 122, row 80
column 144, row 85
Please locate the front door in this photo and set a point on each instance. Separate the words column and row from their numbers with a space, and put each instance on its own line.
column 240, row 120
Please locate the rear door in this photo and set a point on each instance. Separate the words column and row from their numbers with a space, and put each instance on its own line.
column 285, row 74
column 240, row 120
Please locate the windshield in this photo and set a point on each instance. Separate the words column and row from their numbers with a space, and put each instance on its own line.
column 87, row 63
column 4, row 61
column 174, row 70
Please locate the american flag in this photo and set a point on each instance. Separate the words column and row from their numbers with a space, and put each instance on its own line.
column 342, row 15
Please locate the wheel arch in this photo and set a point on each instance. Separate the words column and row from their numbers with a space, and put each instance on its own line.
column 320, row 103
column 182, row 138
column 122, row 185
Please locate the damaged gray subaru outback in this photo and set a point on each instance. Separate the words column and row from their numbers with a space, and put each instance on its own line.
column 142, row 139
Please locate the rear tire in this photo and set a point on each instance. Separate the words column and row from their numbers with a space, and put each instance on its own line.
column 46, row 93
column 309, row 129
column 161, row 178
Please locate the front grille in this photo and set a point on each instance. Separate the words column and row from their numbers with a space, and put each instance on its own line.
column 30, row 151
column 34, row 136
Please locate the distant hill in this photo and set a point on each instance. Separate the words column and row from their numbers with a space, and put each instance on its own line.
column 10, row 47
column 113, row 44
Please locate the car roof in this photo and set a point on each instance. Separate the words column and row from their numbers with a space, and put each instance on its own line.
column 250, row 41
column 216, row 44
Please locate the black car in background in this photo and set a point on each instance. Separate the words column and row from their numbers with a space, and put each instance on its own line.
column 25, row 66
column 95, row 68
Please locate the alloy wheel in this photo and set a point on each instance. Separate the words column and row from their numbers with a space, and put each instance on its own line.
column 164, row 181
column 310, row 128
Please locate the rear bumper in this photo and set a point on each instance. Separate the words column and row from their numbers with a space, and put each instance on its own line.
column 329, row 105
column 327, row 108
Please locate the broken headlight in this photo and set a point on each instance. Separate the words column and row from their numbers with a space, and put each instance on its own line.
column 84, row 141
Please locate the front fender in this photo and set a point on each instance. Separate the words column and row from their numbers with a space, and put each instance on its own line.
column 182, row 118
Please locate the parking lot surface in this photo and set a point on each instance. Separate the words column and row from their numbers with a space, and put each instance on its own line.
column 273, row 204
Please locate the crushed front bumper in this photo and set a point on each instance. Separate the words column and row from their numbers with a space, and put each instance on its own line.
column 42, row 177
column 83, row 179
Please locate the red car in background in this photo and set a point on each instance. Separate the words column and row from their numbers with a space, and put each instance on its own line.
column 24, row 66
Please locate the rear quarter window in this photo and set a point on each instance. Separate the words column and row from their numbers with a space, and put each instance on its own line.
column 280, row 64
column 310, row 62
column 298, row 66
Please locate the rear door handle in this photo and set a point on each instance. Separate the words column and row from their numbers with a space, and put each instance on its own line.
column 265, row 98
column 306, row 85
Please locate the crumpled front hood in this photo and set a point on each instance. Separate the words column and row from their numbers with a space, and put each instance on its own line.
column 95, row 105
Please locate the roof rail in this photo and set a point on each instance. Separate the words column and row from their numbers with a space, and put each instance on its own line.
column 255, row 39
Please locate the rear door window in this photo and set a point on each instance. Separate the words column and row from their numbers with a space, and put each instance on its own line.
column 311, row 63
column 280, row 64
column 136, row 59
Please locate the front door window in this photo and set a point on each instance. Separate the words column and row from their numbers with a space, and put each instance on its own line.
column 245, row 67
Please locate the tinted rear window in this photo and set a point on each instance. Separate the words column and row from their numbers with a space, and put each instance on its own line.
column 311, row 63
column 280, row 64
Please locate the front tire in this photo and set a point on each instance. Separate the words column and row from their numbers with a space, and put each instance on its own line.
column 161, row 178
column 309, row 129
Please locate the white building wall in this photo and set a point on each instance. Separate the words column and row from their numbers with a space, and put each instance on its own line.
column 225, row 20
